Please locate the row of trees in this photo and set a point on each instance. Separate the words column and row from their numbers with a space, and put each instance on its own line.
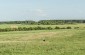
column 44, row 22
column 19, row 22
column 31, row 28
column 56, row 22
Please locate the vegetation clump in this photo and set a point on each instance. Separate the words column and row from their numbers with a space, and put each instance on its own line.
column 57, row 27
column 44, row 22
column 32, row 28
column 68, row 28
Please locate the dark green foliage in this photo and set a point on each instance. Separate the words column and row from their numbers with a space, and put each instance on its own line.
column 49, row 28
column 44, row 22
column 19, row 22
column 68, row 28
column 20, row 28
column 39, row 28
column 57, row 22
column 57, row 27
column 25, row 29
column 51, row 22
column 32, row 28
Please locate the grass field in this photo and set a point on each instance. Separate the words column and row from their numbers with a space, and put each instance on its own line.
column 43, row 42
column 53, row 26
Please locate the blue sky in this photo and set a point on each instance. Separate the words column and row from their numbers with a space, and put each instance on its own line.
column 41, row 9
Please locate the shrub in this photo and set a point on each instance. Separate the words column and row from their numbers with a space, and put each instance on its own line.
column 38, row 28
column 20, row 28
column 68, row 28
column 31, row 28
column 57, row 27
column 49, row 28
column 24, row 28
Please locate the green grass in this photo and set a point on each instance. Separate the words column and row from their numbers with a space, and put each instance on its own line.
column 57, row 42
column 53, row 26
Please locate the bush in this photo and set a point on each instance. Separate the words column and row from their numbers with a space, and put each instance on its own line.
column 24, row 29
column 57, row 27
column 20, row 28
column 49, row 28
column 68, row 28
column 31, row 28
column 38, row 28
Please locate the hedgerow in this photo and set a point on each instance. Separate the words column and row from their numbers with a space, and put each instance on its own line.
column 31, row 28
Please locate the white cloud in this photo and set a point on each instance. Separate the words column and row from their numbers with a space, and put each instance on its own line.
column 40, row 12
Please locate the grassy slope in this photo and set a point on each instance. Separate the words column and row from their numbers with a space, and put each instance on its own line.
column 57, row 42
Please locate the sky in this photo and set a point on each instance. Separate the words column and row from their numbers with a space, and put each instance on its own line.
column 12, row 10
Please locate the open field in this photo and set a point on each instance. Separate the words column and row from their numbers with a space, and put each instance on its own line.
column 43, row 42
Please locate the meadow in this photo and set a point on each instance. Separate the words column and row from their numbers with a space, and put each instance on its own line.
column 81, row 25
column 43, row 42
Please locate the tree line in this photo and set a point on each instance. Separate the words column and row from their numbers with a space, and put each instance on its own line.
column 44, row 22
